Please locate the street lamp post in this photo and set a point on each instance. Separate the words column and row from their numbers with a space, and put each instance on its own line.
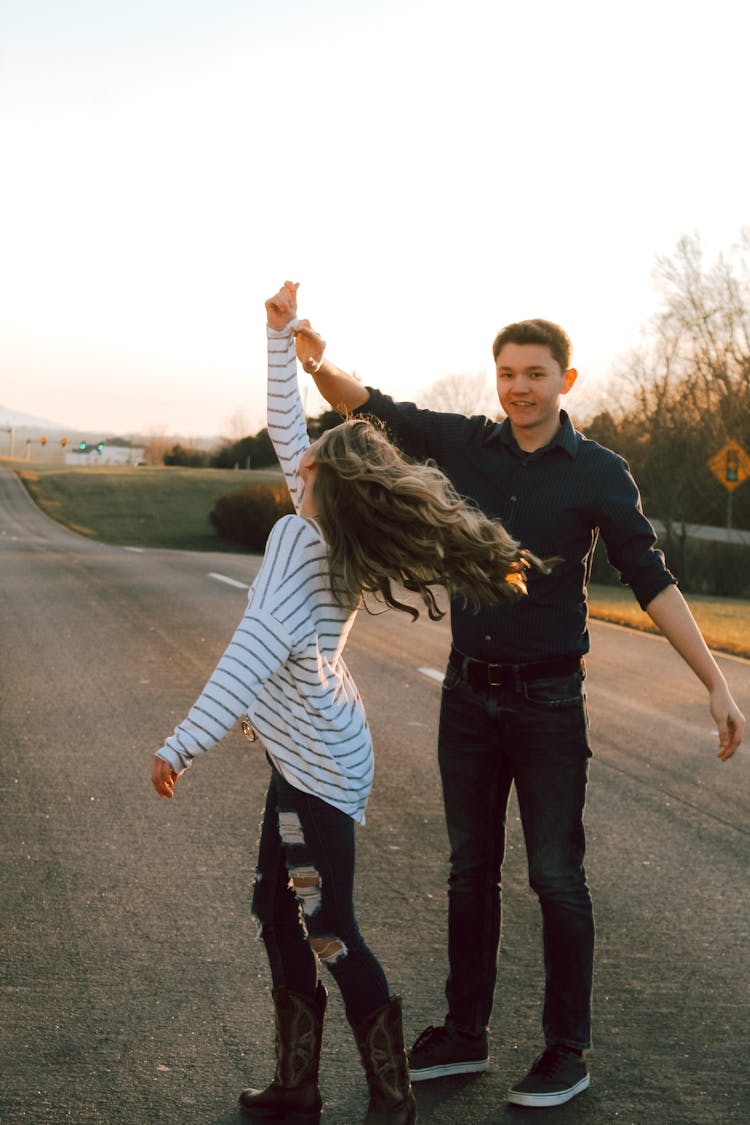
column 12, row 431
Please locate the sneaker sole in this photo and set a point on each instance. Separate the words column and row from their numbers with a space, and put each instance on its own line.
column 447, row 1070
column 559, row 1097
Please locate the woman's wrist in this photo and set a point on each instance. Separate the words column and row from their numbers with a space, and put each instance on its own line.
column 281, row 333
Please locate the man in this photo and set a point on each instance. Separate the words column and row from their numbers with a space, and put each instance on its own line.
column 513, row 709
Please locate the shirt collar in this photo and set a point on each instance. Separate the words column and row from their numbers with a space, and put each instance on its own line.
column 566, row 438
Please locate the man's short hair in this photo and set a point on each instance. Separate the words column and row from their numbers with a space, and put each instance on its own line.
column 542, row 332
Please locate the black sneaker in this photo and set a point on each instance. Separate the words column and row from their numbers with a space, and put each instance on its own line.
column 557, row 1076
column 441, row 1051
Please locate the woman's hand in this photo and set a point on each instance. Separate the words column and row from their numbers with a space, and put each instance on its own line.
column 310, row 347
column 163, row 778
column 282, row 307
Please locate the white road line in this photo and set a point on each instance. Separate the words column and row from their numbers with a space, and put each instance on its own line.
column 432, row 674
column 229, row 581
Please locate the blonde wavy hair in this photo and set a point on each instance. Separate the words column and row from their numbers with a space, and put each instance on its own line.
column 388, row 519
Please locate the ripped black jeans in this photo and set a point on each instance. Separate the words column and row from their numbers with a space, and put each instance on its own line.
column 303, row 900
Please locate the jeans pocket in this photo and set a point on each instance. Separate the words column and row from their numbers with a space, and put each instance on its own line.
column 555, row 692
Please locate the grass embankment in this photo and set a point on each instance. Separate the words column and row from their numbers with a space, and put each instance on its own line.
column 169, row 507
column 724, row 622
column 140, row 507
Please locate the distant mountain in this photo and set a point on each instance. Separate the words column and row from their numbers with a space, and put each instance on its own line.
column 29, row 425
column 16, row 418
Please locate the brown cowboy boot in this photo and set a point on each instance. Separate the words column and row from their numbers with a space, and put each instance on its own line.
column 380, row 1039
column 294, row 1095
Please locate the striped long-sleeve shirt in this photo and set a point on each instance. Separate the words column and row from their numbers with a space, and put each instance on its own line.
column 284, row 666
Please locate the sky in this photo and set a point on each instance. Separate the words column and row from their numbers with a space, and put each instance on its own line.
column 428, row 171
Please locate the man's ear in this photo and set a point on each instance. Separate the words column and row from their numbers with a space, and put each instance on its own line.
column 570, row 377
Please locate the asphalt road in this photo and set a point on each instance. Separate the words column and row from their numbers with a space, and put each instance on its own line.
column 133, row 989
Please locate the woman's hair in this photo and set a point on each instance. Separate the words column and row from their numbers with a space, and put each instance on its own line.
column 388, row 519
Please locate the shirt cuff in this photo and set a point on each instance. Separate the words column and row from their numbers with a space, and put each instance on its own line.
column 281, row 333
column 172, row 758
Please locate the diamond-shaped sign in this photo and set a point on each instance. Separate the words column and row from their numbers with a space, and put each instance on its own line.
column 730, row 466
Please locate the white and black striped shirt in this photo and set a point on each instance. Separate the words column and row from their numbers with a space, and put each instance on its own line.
column 284, row 666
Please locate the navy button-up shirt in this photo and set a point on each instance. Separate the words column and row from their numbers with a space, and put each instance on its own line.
column 555, row 501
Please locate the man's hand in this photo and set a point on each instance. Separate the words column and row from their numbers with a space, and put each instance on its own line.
column 282, row 307
column 730, row 723
column 310, row 347
column 163, row 778
column 670, row 612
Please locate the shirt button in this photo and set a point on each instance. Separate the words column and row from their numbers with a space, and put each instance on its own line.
column 487, row 636
column 513, row 499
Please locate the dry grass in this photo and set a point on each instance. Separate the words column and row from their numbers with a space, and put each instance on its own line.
column 724, row 622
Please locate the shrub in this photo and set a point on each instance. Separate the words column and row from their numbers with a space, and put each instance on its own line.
column 247, row 515
column 248, row 453
column 714, row 567
column 187, row 458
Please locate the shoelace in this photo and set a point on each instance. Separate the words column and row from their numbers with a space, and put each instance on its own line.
column 552, row 1060
column 431, row 1036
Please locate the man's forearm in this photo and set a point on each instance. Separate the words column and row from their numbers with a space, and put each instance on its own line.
column 343, row 392
column 671, row 613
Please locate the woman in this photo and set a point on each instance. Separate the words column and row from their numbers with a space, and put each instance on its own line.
column 365, row 518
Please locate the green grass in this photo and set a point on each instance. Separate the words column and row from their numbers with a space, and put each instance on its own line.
column 169, row 507
column 140, row 507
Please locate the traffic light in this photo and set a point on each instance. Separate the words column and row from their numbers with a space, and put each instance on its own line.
column 733, row 466
column 82, row 445
column 43, row 440
column 63, row 441
column 100, row 446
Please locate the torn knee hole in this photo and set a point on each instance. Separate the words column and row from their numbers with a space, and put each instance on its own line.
column 290, row 827
column 329, row 949
column 306, row 883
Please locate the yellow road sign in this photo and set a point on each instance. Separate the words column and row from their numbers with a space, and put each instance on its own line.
column 730, row 466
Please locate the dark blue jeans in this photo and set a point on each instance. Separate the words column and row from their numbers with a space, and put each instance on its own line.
column 536, row 736
column 303, row 900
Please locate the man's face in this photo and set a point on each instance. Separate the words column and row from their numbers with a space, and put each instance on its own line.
column 529, row 385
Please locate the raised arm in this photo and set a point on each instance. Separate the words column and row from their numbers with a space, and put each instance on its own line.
column 286, row 417
column 341, row 391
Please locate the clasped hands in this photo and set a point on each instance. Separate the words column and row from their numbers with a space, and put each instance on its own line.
column 280, row 309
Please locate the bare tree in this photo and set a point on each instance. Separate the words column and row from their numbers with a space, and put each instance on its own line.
column 462, row 394
column 705, row 324
column 237, row 425
column 156, row 445
column 688, row 384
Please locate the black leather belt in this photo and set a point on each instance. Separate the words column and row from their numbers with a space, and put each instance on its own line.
column 480, row 675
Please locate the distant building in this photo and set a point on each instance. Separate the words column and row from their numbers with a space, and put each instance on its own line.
column 105, row 453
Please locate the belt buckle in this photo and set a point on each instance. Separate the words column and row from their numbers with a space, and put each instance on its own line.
column 491, row 681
